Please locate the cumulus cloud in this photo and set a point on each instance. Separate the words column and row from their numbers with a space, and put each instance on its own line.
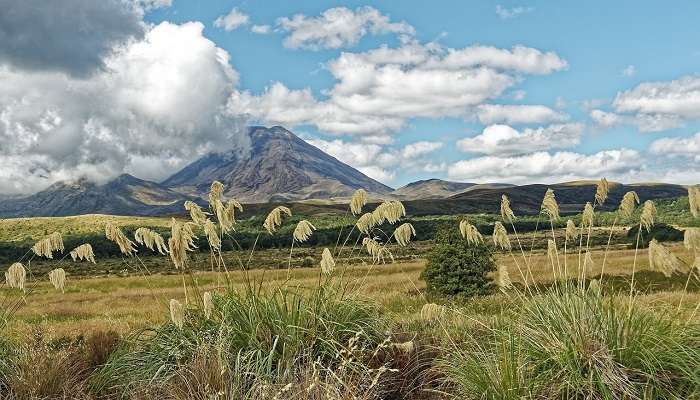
column 378, row 90
column 655, row 106
column 686, row 147
column 518, row 114
column 504, row 140
column 338, row 27
column 71, row 36
column 375, row 160
column 140, row 111
column 232, row 21
column 513, row 12
column 547, row 167
column 261, row 29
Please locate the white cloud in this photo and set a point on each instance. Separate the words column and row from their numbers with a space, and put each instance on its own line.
column 232, row 21
column 376, row 160
column 504, row 140
column 518, row 114
column 688, row 148
column 508, row 13
column 547, row 167
column 644, row 122
column 141, row 110
column 261, row 29
column 338, row 27
column 378, row 90
column 630, row 70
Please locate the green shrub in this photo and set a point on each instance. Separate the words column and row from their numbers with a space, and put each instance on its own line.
column 456, row 268
column 578, row 344
column 660, row 232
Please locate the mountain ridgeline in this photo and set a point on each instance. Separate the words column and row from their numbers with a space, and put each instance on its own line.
column 282, row 168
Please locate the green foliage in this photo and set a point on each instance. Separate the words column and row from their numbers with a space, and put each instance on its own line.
column 661, row 232
column 456, row 268
column 580, row 344
column 255, row 336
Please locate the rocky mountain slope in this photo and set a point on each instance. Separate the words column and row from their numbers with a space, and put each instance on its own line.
column 279, row 167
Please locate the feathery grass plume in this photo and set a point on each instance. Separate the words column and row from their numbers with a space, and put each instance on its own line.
column 365, row 223
column 358, row 200
column 177, row 313
column 16, row 276
column 327, row 262
column 274, row 218
column 151, row 239
column 83, row 252
column 500, row 236
column 601, row 191
column 588, row 262
column 403, row 233
column 212, row 235
column 552, row 251
column 373, row 246
column 181, row 241
column 226, row 214
column 662, row 260
column 648, row 215
column 432, row 312
column 303, row 231
column 571, row 231
column 550, row 206
column 470, row 233
column 48, row 245
column 503, row 278
column 208, row 304
column 587, row 215
column 390, row 211
column 196, row 213
column 506, row 212
column 694, row 200
column 58, row 279
column 691, row 240
column 113, row 233
column 628, row 204
column 215, row 191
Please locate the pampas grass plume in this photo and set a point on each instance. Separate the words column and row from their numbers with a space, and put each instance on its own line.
column 571, row 230
column 403, row 233
column 694, row 200
column 588, row 215
column 16, row 276
column 470, row 233
column 550, row 206
column 208, row 304
column 601, row 191
column 648, row 215
column 500, row 236
column 177, row 313
column 151, row 239
column 58, row 279
column 506, row 212
column 358, row 200
column 274, row 218
column 116, row 235
column 83, row 252
column 327, row 262
column 628, row 204
column 303, row 231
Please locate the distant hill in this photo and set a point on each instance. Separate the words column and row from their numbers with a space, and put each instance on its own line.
column 125, row 195
column 439, row 189
column 279, row 167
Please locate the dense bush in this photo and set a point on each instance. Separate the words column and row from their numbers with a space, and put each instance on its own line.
column 660, row 232
column 456, row 268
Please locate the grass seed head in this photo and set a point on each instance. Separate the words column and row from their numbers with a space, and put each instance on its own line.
column 365, row 223
column 506, row 212
column 16, row 276
column 601, row 191
column 113, row 233
column 648, row 215
column 48, row 245
column 662, row 260
column 57, row 277
column 208, row 304
column 303, row 231
column 358, row 200
column 327, row 262
column 177, row 313
column 552, row 251
column 432, row 312
column 691, row 240
column 212, row 235
column 196, row 213
column 470, row 233
column 550, row 206
column 588, row 263
column 390, row 211
column 588, row 215
column 503, row 278
column 628, row 204
column 274, row 218
column 403, row 233
column 500, row 236
column 151, row 239
column 181, row 241
column 694, row 200
column 571, row 232
column 83, row 253
column 215, row 192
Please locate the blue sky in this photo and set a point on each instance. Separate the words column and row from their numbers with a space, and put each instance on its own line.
column 480, row 91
